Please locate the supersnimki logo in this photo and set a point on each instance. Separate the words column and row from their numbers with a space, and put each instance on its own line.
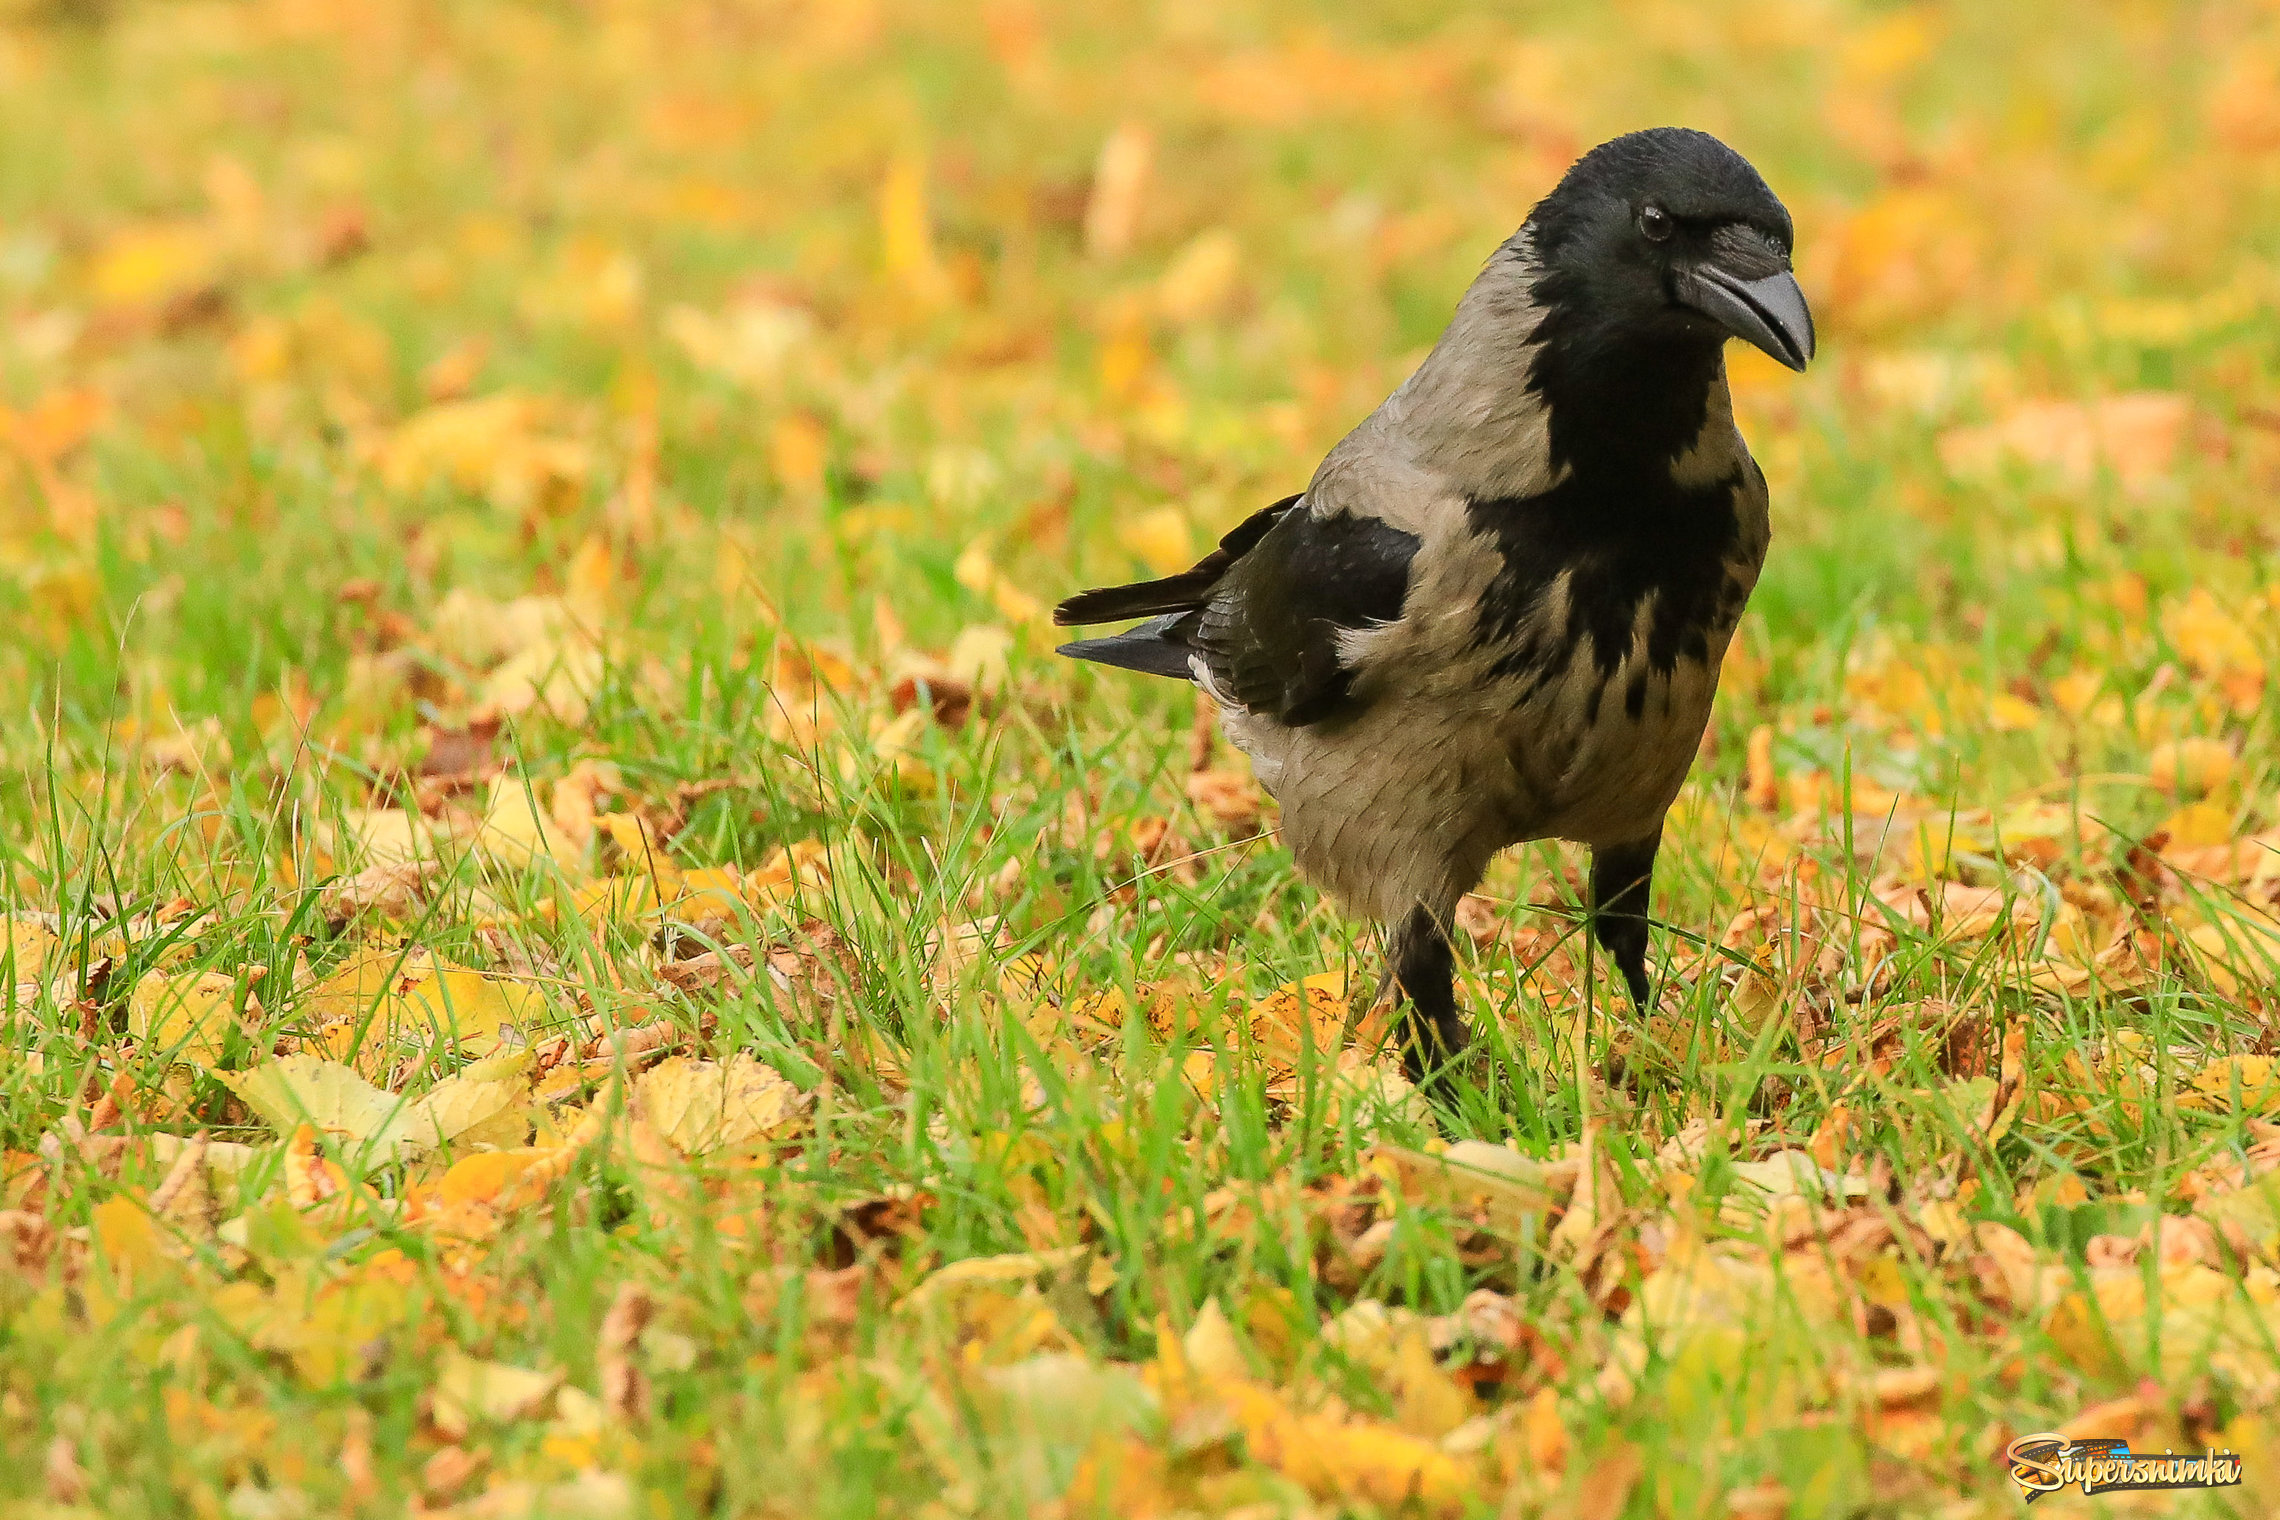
column 2046, row 1462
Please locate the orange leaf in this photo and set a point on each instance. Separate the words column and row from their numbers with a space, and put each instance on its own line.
column 484, row 1177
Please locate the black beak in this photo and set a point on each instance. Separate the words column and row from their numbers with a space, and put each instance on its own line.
column 1768, row 312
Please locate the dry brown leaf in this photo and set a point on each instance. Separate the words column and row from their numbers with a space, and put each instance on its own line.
column 1605, row 1488
column 707, row 970
column 1120, row 181
column 624, row 1391
column 388, row 889
column 450, row 1470
column 1230, row 799
column 66, row 1480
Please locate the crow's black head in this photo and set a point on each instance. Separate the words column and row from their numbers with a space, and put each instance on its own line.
column 1668, row 238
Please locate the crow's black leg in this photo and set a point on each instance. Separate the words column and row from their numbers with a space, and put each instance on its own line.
column 1432, row 1031
column 1621, row 877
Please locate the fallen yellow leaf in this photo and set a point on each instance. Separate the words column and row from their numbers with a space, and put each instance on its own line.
column 468, row 1391
column 187, row 1017
column 2217, row 646
column 702, row 1107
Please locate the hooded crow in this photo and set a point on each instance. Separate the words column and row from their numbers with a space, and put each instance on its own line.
column 1497, row 612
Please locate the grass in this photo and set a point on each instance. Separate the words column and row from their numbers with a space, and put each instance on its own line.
column 561, row 492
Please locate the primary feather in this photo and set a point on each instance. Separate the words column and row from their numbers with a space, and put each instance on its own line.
column 1145, row 649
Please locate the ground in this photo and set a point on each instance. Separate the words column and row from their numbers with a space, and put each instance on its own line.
column 574, row 952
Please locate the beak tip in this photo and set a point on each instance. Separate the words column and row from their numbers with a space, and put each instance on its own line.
column 1787, row 322
column 1808, row 344
column 1768, row 312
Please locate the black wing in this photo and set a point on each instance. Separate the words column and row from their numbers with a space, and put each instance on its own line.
column 1264, row 610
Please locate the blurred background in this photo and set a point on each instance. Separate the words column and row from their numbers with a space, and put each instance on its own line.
column 331, row 335
column 865, row 278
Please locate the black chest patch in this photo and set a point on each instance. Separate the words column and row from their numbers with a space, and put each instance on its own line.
column 1622, row 411
column 1620, row 543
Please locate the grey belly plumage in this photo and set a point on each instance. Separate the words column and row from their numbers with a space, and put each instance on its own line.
column 1406, row 801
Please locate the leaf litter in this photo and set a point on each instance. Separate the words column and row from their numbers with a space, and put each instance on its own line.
column 660, row 994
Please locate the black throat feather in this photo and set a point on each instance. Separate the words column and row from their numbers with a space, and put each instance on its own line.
column 1622, row 410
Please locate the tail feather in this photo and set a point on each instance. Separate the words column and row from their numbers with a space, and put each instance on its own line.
column 1110, row 604
column 1147, row 648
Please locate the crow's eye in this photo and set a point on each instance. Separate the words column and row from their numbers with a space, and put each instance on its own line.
column 1655, row 224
